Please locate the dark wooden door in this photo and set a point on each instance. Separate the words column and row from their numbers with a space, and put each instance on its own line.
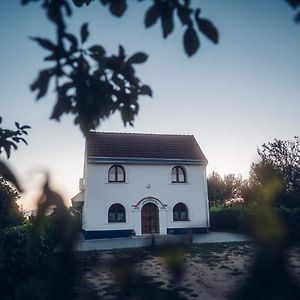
column 150, row 221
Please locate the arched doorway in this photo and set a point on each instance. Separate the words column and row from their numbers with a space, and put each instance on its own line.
column 150, row 218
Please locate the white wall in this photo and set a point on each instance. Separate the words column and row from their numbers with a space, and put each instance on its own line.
column 100, row 195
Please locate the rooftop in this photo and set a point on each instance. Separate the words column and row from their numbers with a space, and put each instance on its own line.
column 138, row 145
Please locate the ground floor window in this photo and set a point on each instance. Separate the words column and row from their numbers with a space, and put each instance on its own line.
column 180, row 212
column 116, row 213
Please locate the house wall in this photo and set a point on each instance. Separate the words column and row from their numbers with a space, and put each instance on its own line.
column 144, row 181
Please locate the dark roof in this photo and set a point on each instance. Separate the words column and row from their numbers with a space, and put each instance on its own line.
column 137, row 145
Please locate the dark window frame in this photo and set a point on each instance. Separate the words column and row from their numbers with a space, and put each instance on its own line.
column 114, row 169
column 177, row 169
column 178, row 209
column 115, row 209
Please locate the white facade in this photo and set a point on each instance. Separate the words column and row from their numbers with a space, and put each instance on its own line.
column 144, row 183
column 147, row 180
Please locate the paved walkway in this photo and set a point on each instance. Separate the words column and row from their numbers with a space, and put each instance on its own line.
column 138, row 242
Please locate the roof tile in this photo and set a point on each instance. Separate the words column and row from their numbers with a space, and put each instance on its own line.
column 138, row 145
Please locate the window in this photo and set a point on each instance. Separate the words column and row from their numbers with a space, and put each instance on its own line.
column 180, row 212
column 116, row 173
column 178, row 174
column 116, row 213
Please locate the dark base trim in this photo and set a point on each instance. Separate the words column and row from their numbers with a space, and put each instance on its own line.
column 194, row 230
column 106, row 234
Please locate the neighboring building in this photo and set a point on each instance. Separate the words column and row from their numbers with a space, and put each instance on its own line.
column 142, row 184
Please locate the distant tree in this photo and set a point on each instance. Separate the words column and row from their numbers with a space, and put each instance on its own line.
column 221, row 189
column 283, row 156
column 280, row 165
column 215, row 187
column 10, row 213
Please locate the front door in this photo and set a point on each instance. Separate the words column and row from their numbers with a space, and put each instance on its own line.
column 150, row 223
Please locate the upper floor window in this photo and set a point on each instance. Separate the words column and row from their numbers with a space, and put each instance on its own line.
column 180, row 212
column 116, row 173
column 178, row 174
column 116, row 213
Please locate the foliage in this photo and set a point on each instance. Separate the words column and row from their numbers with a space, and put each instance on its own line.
column 295, row 4
column 92, row 85
column 10, row 214
column 242, row 218
column 283, row 156
column 279, row 169
column 221, row 189
column 23, row 250
column 10, row 138
column 227, row 218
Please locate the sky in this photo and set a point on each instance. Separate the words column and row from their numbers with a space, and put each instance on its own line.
column 232, row 97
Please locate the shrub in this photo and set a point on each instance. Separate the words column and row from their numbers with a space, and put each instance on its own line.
column 240, row 218
column 226, row 218
column 23, row 249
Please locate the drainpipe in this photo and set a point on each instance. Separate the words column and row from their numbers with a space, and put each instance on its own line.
column 206, row 201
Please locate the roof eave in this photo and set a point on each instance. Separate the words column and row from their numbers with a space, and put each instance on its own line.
column 136, row 160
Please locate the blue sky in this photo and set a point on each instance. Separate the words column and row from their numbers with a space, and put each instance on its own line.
column 233, row 97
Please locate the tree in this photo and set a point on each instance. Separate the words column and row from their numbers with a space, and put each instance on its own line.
column 279, row 169
column 215, row 187
column 283, row 156
column 92, row 85
column 10, row 214
column 221, row 189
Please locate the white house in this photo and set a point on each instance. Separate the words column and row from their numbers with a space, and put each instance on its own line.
column 142, row 184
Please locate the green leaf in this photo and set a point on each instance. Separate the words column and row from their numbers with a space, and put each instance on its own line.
column 191, row 41
column 138, row 58
column 47, row 44
column 208, row 29
column 152, row 15
column 84, row 32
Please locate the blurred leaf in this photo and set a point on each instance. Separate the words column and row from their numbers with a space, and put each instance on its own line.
column 8, row 175
column 293, row 3
column 152, row 15
column 121, row 51
column 297, row 17
column 208, row 29
column 98, row 50
column 84, row 32
column 146, row 90
column 42, row 82
column 73, row 40
column 167, row 22
column 118, row 7
column 184, row 13
column 79, row 3
column 190, row 41
column 138, row 58
column 47, row 44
